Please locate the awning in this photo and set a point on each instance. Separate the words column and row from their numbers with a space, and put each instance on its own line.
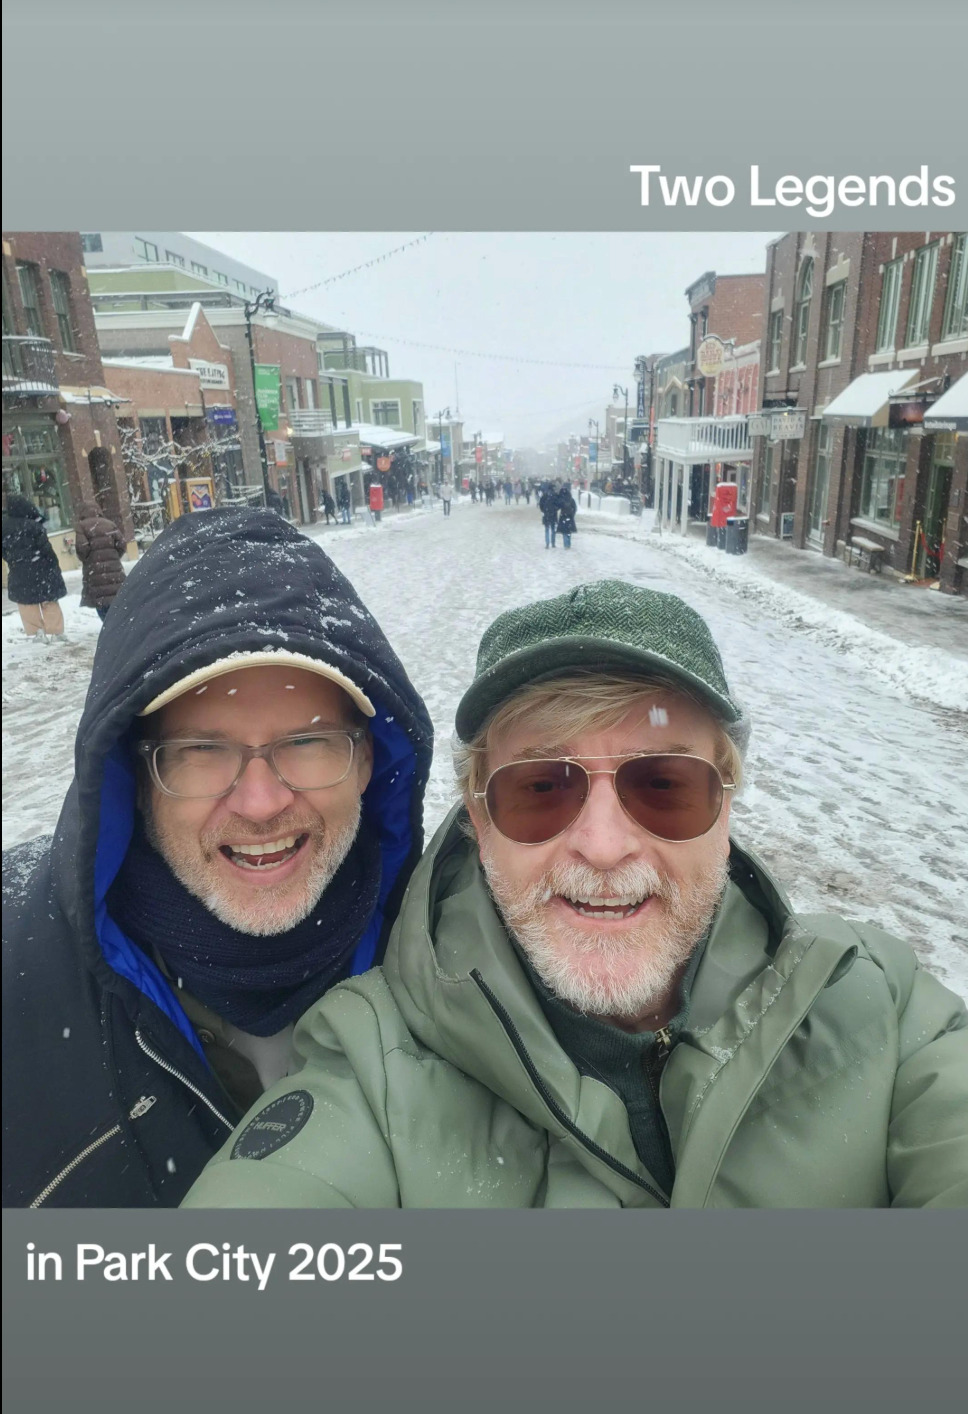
column 386, row 437
column 950, row 412
column 864, row 403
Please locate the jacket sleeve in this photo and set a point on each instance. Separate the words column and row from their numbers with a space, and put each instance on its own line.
column 927, row 1149
column 320, row 1138
column 82, row 545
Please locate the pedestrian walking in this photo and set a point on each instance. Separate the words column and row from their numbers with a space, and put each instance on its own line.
column 446, row 495
column 100, row 547
column 566, row 516
column 518, row 491
column 35, row 582
column 527, row 492
column 343, row 500
column 329, row 508
column 508, row 492
column 489, row 491
column 474, row 492
column 548, row 506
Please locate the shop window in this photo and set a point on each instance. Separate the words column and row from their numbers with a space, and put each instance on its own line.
column 889, row 306
column 801, row 318
column 766, row 480
column 33, row 467
column 60, row 288
column 834, row 324
column 955, row 324
column 882, row 485
column 922, row 295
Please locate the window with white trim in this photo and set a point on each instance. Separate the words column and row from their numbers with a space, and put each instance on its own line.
column 172, row 258
column 955, row 323
column 385, row 412
column 889, row 306
column 774, row 343
column 28, row 277
column 145, row 250
column 418, row 422
column 199, row 269
column 801, row 317
column 922, row 294
column 834, row 325
column 60, row 289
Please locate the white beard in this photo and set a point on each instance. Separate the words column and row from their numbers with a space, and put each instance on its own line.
column 622, row 975
column 264, row 911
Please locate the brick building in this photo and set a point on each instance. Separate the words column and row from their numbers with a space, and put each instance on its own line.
column 60, row 436
column 863, row 331
column 712, row 385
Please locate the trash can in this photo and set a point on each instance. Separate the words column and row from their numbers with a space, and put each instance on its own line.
column 712, row 534
column 737, row 535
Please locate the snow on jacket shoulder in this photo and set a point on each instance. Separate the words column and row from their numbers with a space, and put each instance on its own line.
column 34, row 573
column 108, row 1098
column 821, row 1068
column 99, row 545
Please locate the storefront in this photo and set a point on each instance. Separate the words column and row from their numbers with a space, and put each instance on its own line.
column 33, row 466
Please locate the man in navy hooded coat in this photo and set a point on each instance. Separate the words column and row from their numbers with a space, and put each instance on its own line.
column 246, row 811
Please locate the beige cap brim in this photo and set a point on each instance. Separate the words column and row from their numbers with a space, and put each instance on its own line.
column 268, row 658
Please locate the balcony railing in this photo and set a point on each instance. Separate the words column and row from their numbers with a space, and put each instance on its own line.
column 310, row 422
column 703, row 439
column 29, row 370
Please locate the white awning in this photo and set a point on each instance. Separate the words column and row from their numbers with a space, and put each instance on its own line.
column 865, row 402
column 950, row 412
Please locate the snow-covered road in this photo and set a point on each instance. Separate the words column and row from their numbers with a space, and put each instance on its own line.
column 857, row 792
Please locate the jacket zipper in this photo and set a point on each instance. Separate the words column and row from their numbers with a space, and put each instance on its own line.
column 514, row 1036
column 166, row 1065
column 141, row 1108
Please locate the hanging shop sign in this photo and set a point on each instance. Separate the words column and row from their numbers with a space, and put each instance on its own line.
column 280, row 450
column 787, row 426
column 909, row 412
column 383, row 463
column 478, row 454
column 220, row 417
column 711, row 356
column 267, row 395
column 593, row 451
column 210, row 375
column 760, row 424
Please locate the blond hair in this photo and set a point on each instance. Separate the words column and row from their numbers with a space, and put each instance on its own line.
column 580, row 702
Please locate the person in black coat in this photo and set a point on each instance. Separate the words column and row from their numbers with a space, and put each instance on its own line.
column 100, row 547
column 567, row 510
column 548, row 506
column 34, row 581
column 329, row 508
column 151, row 979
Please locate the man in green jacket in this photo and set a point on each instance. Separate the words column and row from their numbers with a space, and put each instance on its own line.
column 592, row 998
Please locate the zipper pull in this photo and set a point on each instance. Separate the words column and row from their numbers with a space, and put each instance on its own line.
column 142, row 1107
column 663, row 1041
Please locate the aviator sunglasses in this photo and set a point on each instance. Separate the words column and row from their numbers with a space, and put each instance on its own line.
column 673, row 797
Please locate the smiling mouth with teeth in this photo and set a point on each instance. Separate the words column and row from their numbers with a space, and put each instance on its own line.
column 619, row 907
column 268, row 855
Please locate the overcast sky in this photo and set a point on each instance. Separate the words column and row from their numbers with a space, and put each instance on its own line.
column 593, row 300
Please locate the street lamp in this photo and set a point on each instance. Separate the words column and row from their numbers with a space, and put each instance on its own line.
column 264, row 300
column 445, row 412
column 616, row 393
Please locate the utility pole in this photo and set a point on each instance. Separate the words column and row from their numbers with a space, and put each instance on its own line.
column 265, row 300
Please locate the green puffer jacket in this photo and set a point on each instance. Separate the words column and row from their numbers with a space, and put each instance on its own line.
column 821, row 1068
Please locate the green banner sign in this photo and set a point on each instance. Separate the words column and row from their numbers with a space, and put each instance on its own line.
column 267, row 395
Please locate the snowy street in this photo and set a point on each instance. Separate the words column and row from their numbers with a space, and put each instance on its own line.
column 858, row 770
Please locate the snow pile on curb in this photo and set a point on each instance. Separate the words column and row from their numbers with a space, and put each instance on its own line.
column 907, row 670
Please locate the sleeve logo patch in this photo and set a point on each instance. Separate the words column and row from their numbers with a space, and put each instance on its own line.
column 274, row 1126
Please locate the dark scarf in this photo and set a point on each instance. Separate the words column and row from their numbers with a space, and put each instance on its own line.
column 259, row 984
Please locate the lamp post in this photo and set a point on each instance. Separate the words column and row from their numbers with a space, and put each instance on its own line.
column 445, row 412
column 593, row 422
column 624, row 392
column 264, row 300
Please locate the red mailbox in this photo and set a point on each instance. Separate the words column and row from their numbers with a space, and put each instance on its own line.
column 376, row 496
column 724, row 503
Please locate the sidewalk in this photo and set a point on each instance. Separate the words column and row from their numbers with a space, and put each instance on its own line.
column 909, row 613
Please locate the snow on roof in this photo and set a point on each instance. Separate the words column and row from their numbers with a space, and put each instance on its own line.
column 157, row 363
column 372, row 435
column 950, row 412
column 864, row 403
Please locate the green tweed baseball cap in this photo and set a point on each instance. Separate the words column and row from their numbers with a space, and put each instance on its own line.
column 607, row 625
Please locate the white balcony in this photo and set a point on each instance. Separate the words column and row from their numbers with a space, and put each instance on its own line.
column 310, row 422
column 703, row 439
